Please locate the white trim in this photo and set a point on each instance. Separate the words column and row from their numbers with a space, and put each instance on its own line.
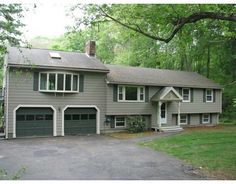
column 124, row 93
column 7, row 106
column 189, row 94
column 49, row 106
column 209, row 117
column 171, row 89
column 82, row 106
column 56, row 81
column 208, row 95
column 119, row 121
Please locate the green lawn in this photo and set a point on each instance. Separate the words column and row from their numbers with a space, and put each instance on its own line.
column 213, row 149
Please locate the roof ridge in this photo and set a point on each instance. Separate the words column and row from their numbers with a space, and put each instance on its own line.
column 149, row 68
column 46, row 49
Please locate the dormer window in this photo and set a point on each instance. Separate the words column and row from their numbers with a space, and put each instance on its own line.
column 55, row 55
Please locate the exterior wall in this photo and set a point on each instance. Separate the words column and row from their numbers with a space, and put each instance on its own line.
column 132, row 108
column 21, row 92
column 198, row 106
column 195, row 120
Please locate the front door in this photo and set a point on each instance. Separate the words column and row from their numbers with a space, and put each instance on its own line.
column 163, row 113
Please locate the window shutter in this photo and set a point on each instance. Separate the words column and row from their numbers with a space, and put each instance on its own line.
column 112, row 123
column 191, row 91
column 210, row 118
column 204, row 95
column 146, row 93
column 200, row 118
column 36, row 81
column 188, row 121
column 115, row 92
column 81, row 83
column 176, row 119
column 214, row 95
column 180, row 91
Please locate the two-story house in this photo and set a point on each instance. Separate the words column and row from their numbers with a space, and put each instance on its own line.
column 58, row 93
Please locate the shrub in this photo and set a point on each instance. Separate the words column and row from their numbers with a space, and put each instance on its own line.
column 136, row 124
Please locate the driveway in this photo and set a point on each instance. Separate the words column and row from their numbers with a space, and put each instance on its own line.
column 88, row 157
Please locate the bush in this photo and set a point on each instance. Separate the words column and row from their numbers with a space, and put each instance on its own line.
column 136, row 124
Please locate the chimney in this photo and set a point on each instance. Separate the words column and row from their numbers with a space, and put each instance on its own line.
column 90, row 48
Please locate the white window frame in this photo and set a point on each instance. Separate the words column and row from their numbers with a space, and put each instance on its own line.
column 124, row 93
column 56, row 80
column 203, row 122
column 186, row 121
column 189, row 94
column 120, row 121
column 211, row 95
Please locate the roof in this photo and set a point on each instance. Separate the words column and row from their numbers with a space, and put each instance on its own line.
column 157, row 77
column 166, row 94
column 26, row 57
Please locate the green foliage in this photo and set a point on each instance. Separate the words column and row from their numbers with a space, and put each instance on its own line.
column 213, row 149
column 4, row 175
column 135, row 124
column 188, row 50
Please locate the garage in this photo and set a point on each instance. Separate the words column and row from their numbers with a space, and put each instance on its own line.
column 80, row 121
column 34, row 122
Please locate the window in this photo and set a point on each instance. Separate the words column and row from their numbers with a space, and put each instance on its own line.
column 29, row 117
column 52, row 81
column 84, row 116
column 183, row 119
column 205, row 118
column 58, row 82
column 186, row 94
column 67, row 117
column 120, row 93
column 48, row 117
column 119, row 122
column 92, row 116
column 76, row 117
column 209, row 95
column 20, row 117
column 131, row 94
column 39, row 117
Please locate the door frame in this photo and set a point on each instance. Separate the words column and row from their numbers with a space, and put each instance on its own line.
column 81, row 106
column 43, row 106
column 165, row 113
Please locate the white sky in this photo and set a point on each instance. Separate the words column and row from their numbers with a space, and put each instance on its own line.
column 48, row 20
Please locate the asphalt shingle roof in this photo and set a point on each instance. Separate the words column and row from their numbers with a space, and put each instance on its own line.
column 157, row 77
column 41, row 57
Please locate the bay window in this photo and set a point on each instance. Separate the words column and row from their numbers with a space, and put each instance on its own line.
column 58, row 82
column 130, row 94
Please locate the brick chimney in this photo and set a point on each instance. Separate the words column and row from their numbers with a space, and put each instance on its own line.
column 90, row 48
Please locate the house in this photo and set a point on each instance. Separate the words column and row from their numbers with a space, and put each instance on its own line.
column 58, row 93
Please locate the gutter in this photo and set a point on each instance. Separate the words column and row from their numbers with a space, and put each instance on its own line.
column 162, row 85
column 59, row 68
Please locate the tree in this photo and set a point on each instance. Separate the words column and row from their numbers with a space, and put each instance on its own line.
column 158, row 22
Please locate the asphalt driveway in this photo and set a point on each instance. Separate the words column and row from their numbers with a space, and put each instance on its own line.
column 88, row 157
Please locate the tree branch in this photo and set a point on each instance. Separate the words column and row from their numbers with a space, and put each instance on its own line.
column 178, row 23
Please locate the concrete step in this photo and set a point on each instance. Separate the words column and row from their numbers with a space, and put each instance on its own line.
column 171, row 129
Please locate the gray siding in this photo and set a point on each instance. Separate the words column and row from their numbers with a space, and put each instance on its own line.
column 131, row 108
column 21, row 92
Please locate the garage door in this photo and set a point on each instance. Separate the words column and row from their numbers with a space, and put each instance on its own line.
column 34, row 122
column 78, row 121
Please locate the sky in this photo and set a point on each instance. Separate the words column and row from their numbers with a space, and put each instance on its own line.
column 48, row 20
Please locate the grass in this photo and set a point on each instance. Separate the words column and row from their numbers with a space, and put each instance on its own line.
column 213, row 149
column 127, row 135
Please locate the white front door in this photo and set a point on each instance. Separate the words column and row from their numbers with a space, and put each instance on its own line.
column 163, row 115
